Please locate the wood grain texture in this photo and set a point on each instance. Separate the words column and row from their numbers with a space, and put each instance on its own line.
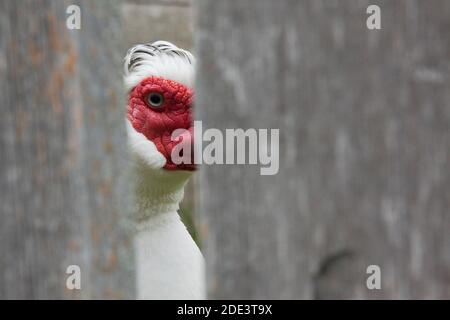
column 62, row 152
column 364, row 120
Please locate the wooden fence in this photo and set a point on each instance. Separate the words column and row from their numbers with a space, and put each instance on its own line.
column 364, row 118
column 62, row 152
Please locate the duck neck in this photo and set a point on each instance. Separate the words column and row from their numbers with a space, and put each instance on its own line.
column 169, row 264
column 157, row 192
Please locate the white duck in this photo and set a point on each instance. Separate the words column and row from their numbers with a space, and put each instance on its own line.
column 159, row 79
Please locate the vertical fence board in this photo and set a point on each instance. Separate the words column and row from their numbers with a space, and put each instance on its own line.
column 62, row 149
column 364, row 148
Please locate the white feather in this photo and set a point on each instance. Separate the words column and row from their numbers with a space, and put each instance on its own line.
column 144, row 148
column 161, row 59
column 169, row 263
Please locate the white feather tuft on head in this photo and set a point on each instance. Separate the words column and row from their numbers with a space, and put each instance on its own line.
column 161, row 59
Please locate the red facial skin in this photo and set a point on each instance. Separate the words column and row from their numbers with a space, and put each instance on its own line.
column 157, row 124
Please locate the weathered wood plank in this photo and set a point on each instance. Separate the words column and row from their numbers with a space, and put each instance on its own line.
column 62, row 152
column 169, row 21
column 364, row 148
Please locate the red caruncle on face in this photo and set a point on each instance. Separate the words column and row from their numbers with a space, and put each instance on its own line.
column 157, row 107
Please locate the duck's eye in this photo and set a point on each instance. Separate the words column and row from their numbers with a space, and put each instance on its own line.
column 155, row 100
